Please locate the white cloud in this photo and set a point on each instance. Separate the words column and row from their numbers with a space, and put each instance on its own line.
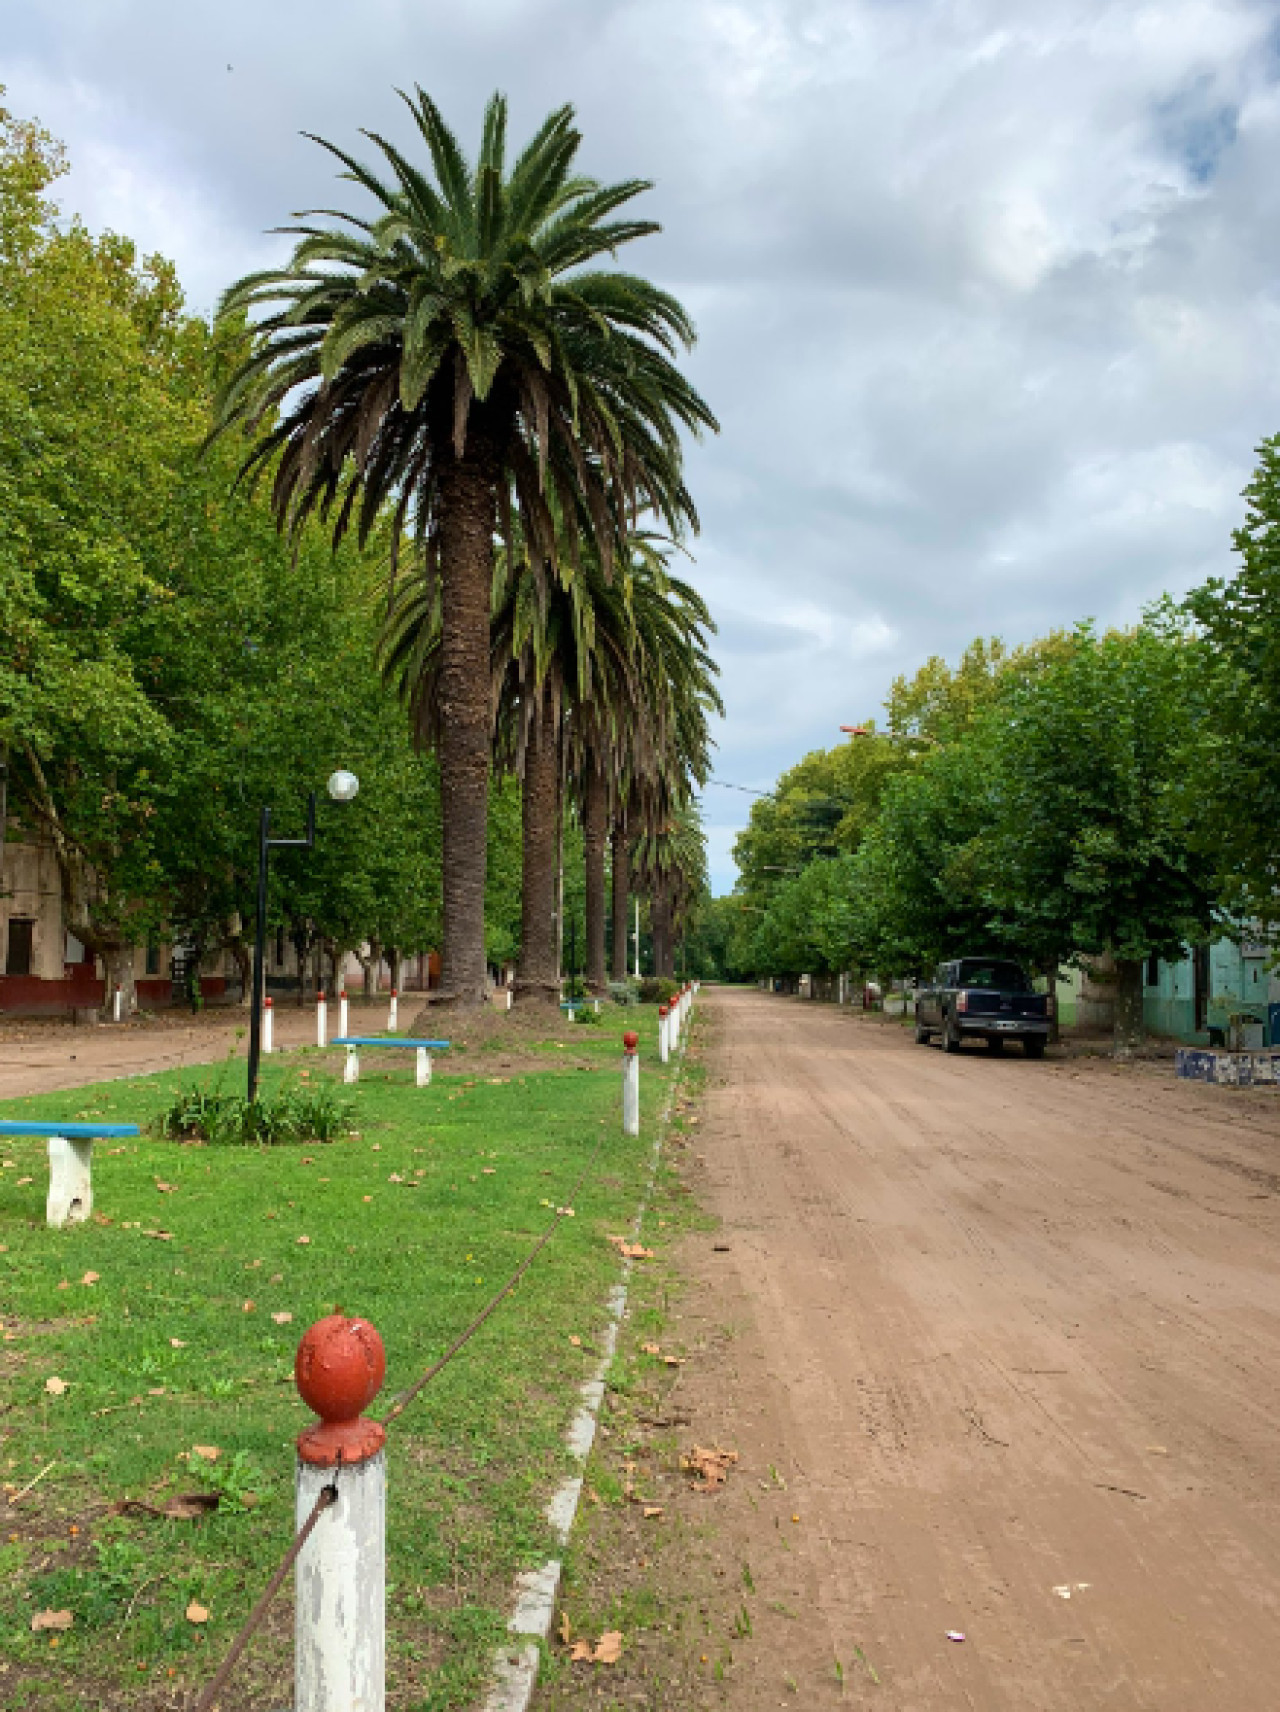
column 987, row 291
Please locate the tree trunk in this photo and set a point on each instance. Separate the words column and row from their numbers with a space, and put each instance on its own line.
column 467, row 509
column 621, row 886
column 538, row 971
column 660, row 923
column 396, row 964
column 595, row 828
column 118, row 962
column 235, row 944
column 1129, row 1031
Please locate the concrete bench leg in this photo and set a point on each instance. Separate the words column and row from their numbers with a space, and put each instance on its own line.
column 351, row 1069
column 424, row 1067
column 70, row 1181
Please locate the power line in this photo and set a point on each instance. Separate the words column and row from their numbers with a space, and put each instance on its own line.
column 750, row 790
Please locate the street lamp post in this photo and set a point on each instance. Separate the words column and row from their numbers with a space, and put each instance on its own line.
column 342, row 786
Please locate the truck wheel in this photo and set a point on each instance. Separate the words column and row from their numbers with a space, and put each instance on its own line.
column 922, row 1033
column 950, row 1037
column 1034, row 1046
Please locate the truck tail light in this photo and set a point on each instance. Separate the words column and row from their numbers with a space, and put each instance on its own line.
column 962, row 1001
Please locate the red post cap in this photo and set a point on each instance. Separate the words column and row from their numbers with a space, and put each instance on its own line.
column 339, row 1369
column 268, row 1003
column 320, row 996
column 343, row 993
column 631, row 1040
column 662, row 1010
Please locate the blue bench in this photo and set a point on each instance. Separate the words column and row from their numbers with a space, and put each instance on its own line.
column 575, row 1005
column 423, row 1048
column 70, row 1164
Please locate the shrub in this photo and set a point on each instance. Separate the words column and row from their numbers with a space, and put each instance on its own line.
column 658, row 990
column 624, row 992
column 290, row 1114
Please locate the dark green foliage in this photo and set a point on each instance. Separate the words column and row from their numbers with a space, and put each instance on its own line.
column 658, row 990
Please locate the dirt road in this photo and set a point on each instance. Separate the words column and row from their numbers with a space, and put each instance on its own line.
column 1014, row 1330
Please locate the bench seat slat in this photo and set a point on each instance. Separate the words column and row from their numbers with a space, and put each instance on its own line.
column 374, row 1040
column 70, row 1131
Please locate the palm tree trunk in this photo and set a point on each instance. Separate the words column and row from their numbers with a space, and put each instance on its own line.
column 621, row 886
column 660, row 917
column 538, row 971
column 595, row 824
column 467, row 507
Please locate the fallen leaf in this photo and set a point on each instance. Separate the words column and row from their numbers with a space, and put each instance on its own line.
column 576, row 1342
column 22, row 1181
column 51, row 1620
column 210, row 1452
column 651, row 1348
column 65, row 1284
column 609, row 1650
column 197, row 1613
column 566, row 1212
column 304, row 1240
column 282, row 1318
column 176, row 1343
column 248, row 1307
column 675, row 1360
column 581, row 1650
column 395, row 1177
column 55, row 1386
column 711, row 1466
column 650, row 1511
column 487, row 1170
column 165, row 1188
column 90, row 1278
column 160, row 1235
column 566, row 1628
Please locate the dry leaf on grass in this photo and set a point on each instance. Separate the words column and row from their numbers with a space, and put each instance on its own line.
column 304, row 1240
column 51, row 1620
column 165, row 1188
column 651, row 1510
column 210, row 1452
column 197, row 1613
column 55, row 1386
column 160, row 1235
column 566, row 1628
column 177, row 1343
column 609, row 1650
column 282, row 1318
column 91, row 1278
column 182, row 1507
column 576, row 1342
column 710, row 1465
column 651, row 1348
column 581, row 1650
column 631, row 1250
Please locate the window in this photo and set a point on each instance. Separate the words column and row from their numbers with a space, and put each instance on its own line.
column 994, row 974
column 21, row 941
column 1153, row 971
column 153, row 959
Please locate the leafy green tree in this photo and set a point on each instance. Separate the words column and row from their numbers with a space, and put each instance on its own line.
column 1236, row 786
column 452, row 350
column 1090, row 851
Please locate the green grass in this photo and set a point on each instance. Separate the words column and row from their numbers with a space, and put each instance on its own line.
column 161, row 1354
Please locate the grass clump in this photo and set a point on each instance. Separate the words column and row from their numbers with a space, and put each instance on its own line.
column 290, row 1113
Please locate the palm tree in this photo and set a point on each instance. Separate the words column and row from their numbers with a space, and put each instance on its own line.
column 670, row 744
column 454, row 350
column 671, row 861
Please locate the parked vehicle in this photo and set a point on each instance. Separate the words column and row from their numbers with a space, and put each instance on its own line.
column 987, row 997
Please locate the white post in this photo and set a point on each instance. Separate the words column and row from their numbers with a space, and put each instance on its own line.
column 70, row 1199
column 268, row 1027
column 664, row 1034
column 322, row 1019
column 637, row 939
column 393, row 1015
column 423, row 1067
column 351, row 1069
column 343, row 1012
column 508, row 998
column 630, row 1085
column 117, row 1005
column 340, row 1579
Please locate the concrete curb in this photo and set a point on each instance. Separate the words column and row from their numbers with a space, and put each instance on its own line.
column 515, row 1665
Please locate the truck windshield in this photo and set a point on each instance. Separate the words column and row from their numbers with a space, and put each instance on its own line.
column 1002, row 977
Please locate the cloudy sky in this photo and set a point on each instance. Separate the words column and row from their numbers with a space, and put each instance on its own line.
column 988, row 292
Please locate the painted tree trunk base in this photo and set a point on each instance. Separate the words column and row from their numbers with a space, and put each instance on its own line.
column 1129, row 1030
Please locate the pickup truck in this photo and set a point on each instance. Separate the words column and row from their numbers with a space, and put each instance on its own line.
column 987, row 997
